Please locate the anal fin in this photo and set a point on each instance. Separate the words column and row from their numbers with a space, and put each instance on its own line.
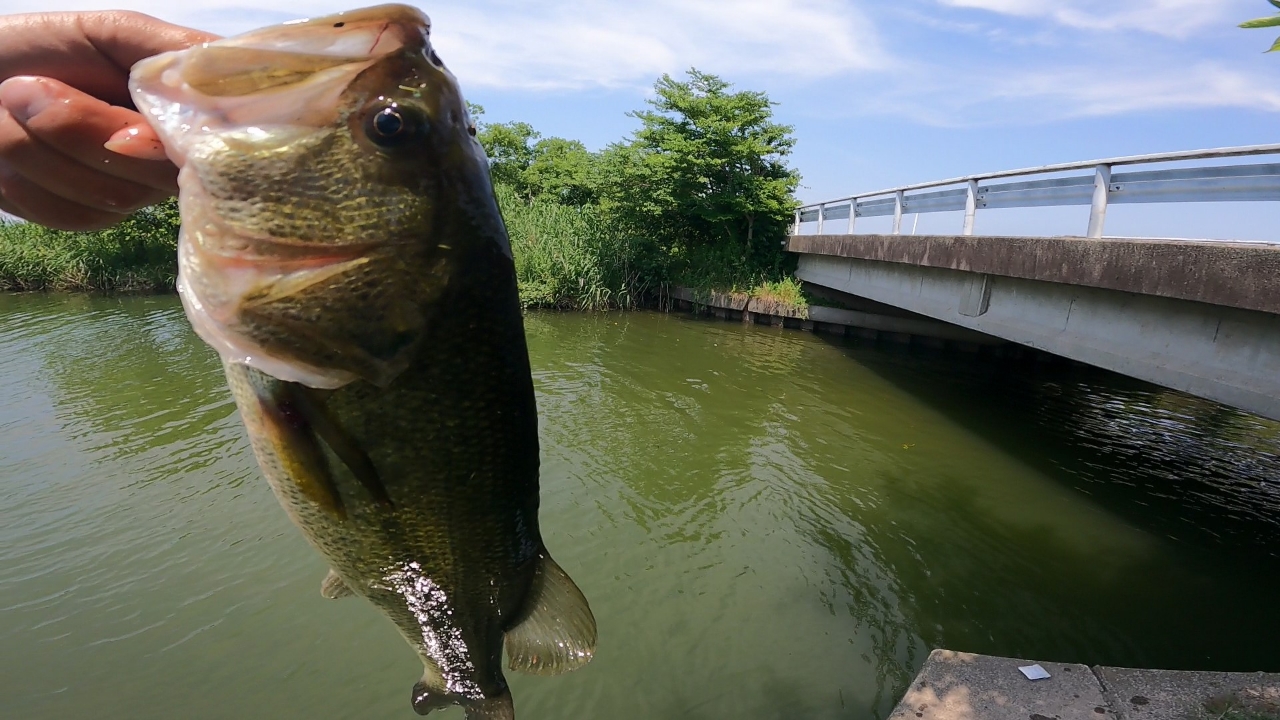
column 556, row 631
column 495, row 708
column 333, row 587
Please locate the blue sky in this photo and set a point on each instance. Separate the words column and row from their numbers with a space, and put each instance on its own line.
column 880, row 93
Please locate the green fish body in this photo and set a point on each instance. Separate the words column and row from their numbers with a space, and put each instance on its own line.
column 342, row 250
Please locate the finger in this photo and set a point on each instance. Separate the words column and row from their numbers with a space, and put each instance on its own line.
column 127, row 37
column 77, row 126
column 138, row 141
column 21, row 197
column 60, row 175
column 9, row 209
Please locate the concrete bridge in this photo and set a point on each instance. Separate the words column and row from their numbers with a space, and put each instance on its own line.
column 1194, row 315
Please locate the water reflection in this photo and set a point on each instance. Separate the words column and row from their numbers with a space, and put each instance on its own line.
column 768, row 524
column 131, row 377
column 1183, row 468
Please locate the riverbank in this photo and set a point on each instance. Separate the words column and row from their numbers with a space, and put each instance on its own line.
column 955, row 686
column 126, row 259
column 567, row 258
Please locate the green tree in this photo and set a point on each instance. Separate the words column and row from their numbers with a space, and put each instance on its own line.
column 563, row 170
column 1272, row 21
column 533, row 166
column 706, row 173
column 510, row 149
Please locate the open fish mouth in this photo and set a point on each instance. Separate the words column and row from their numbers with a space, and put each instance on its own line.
column 274, row 96
column 227, row 83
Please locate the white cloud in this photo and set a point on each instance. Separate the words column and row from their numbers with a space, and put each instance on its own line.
column 1087, row 92
column 573, row 44
column 1171, row 18
column 566, row 45
column 1057, row 94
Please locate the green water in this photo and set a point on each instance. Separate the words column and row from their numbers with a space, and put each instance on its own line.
column 768, row 524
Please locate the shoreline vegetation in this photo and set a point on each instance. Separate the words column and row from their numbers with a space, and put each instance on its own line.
column 140, row 255
column 699, row 196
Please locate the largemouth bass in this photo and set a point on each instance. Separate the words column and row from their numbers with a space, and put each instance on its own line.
column 342, row 250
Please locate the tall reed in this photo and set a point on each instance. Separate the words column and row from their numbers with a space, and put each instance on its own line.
column 569, row 257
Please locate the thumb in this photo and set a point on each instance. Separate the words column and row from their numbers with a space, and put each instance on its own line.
column 91, row 51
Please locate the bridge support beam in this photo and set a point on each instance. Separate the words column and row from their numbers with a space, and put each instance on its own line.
column 1223, row 353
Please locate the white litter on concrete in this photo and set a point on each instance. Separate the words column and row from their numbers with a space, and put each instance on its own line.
column 1034, row 672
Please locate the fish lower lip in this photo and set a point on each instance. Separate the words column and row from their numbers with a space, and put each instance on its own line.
column 231, row 247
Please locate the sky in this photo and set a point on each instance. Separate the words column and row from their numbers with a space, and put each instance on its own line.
column 880, row 93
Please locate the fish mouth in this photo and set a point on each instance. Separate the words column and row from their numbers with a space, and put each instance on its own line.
column 243, row 79
column 265, row 92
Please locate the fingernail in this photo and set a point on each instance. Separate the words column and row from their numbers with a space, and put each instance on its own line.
column 133, row 142
column 24, row 97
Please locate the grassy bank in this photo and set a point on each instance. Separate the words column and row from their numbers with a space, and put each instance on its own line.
column 567, row 257
column 700, row 195
column 138, row 255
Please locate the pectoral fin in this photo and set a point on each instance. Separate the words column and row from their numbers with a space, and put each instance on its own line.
column 312, row 407
column 333, row 587
column 556, row 631
column 300, row 455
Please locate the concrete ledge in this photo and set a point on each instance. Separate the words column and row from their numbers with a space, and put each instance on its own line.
column 1178, row 695
column 820, row 317
column 730, row 301
column 1240, row 275
column 741, row 302
column 962, row 686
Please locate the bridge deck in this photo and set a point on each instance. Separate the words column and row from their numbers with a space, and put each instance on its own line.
column 1198, row 316
column 1240, row 275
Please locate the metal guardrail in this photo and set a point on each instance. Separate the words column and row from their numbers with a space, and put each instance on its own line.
column 1099, row 189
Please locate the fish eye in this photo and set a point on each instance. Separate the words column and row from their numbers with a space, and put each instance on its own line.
column 392, row 125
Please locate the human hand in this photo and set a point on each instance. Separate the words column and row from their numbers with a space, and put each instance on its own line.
column 74, row 155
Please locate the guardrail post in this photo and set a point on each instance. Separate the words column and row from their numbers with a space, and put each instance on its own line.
column 1098, row 211
column 897, row 213
column 795, row 229
column 853, row 213
column 822, row 215
column 970, row 207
